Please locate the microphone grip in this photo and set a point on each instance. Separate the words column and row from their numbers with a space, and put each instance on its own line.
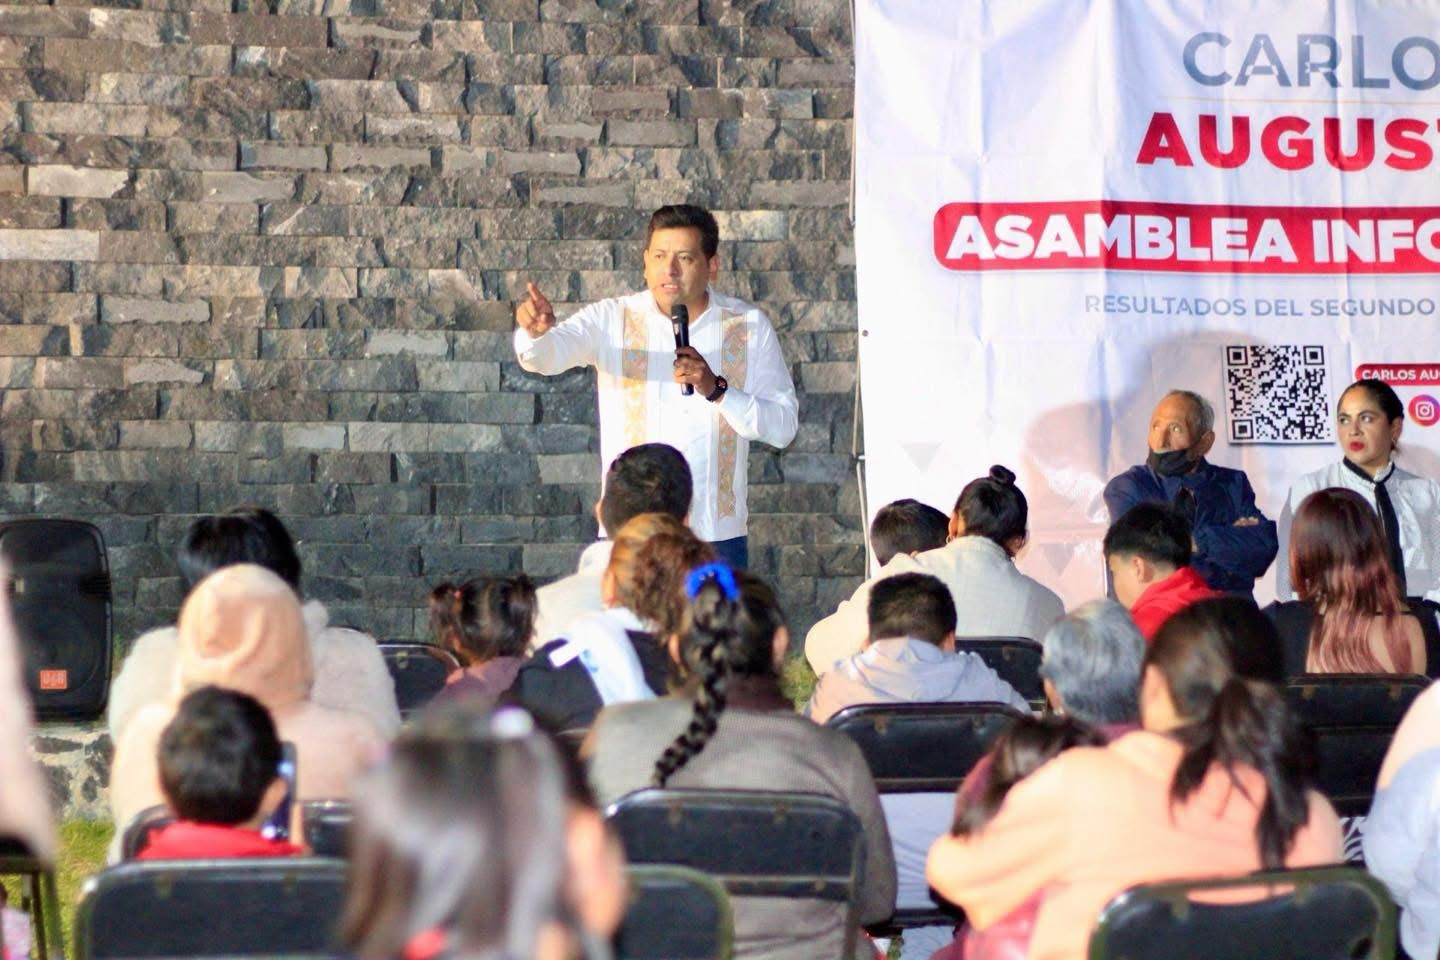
column 682, row 339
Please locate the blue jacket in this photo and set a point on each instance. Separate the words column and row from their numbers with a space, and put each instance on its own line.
column 1230, row 557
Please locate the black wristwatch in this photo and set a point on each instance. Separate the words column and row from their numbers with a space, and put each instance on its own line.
column 721, row 385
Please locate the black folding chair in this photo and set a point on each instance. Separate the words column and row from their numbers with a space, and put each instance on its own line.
column 211, row 908
column 419, row 671
column 327, row 826
column 922, row 747
column 675, row 913
column 756, row 843
column 38, row 895
column 1325, row 913
column 914, row 748
column 1016, row 659
column 146, row 823
column 1353, row 717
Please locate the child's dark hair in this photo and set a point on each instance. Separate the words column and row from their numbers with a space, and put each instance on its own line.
column 911, row 605
column 239, row 535
column 1230, row 720
column 993, row 507
column 1018, row 752
column 729, row 631
column 218, row 756
column 907, row 526
column 485, row 617
column 1155, row 531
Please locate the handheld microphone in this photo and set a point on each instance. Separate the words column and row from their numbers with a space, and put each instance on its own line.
column 680, row 323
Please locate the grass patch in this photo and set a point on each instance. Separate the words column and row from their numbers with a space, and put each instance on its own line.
column 797, row 680
column 82, row 854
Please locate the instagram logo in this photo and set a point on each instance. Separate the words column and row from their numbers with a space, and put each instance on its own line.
column 1424, row 409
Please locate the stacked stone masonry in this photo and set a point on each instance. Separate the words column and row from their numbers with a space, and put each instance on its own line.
column 267, row 251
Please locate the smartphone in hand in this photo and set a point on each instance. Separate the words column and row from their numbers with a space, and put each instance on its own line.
column 277, row 826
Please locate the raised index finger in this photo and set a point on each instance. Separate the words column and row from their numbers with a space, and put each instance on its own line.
column 538, row 299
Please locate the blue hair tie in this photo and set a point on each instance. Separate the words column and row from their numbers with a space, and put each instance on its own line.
column 723, row 576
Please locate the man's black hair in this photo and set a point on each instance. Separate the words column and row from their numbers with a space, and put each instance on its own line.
column 650, row 478
column 680, row 215
column 907, row 526
column 240, row 535
column 911, row 605
column 1155, row 531
column 218, row 756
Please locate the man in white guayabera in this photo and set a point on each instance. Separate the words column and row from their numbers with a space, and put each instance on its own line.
column 709, row 399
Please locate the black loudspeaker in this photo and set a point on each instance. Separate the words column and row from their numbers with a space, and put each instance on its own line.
column 60, row 598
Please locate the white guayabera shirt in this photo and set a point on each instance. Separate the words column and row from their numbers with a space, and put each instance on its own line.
column 632, row 347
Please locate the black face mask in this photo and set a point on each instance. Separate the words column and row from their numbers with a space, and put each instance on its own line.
column 1170, row 463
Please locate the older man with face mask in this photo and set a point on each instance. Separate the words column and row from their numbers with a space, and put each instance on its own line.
column 1233, row 541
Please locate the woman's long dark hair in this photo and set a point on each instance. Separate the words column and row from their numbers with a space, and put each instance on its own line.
column 1233, row 722
column 721, row 638
column 1338, row 562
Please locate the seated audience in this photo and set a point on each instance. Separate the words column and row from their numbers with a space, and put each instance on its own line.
column 992, row 598
column 219, row 770
column 731, row 728
column 242, row 629
column 910, row 656
column 350, row 673
column 24, row 793
column 1402, row 848
column 615, row 655
column 1148, row 553
column 487, row 623
column 1351, row 616
column 908, row 527
column 1016, row 753
column 649, row 478
column 474, row 839
column 1234, row 543
column 1216, row 783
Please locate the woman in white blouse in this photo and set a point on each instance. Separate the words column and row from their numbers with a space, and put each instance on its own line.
column 1368, row 421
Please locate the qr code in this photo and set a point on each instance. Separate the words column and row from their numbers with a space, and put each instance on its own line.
column 1277, row 394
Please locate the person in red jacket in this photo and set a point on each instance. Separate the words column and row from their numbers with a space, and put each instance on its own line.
column 219, row 761
column 1148, row 552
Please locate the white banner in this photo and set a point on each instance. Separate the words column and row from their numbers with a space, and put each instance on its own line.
column 1066, row 208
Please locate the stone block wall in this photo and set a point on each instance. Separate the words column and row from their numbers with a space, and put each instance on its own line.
column 267, row 251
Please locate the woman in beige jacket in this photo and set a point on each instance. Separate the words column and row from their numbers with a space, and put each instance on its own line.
column 242, row 628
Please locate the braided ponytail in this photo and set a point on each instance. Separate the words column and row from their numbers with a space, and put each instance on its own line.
column 728, row 631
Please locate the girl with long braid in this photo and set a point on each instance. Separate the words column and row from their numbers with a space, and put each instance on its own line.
column 729, row 727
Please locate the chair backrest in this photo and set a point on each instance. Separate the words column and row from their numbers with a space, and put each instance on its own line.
column 1016, row 659
column 922, row 747
column 1354, row 717
column 675, row 913
column 1326, row 913
column 142, row 826
column 419, row 671
column 60, row 598
column 327, row 826
column 755, row 842
column 211, row 908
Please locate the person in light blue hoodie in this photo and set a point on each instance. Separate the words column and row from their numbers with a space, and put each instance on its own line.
column 1402, row 848
column 910, row 655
